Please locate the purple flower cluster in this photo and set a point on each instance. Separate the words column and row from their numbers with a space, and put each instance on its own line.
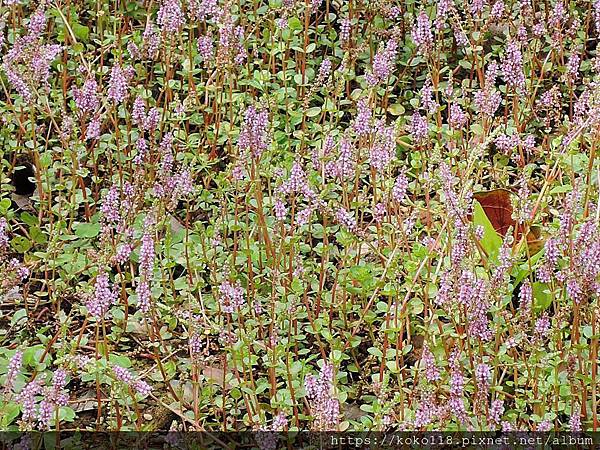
column 231, row 41
column 497, row 11
column 487, row 100
column 452, row 201
column 473, row 294
column 170, row 16
column 18, row 269
column 426, row 412
column 383, row 149
column 195, row 344
column 495, row 412
column 551, row 255
column 279, row 209
column 52, row 397
column 457, row 383
column 483, row 376
column 86, row 98
column 3, row 234
column 151, row 41
column 345, row 164
column 544, row 426
column 14, row 366
column 379, row 212
column 572, row 72
column 103, row 297
column 457, row 118
column 428, row 102
column 297, row 183
column 506, row 143
column 146, row 269
column 111, row 205
column 575, row 420
column 419, row 128
column 505, row 262
column 93, row 129
column 512, row 67
column 203, row 9
column 445, row 289
column 444, row 7
column 27, row 64
column 345, row 30
column 142, row 151
column 347, row 219
column 254, row 135
column 421, row 33
column 400, row 187
column 146, row 121
column 324, row 407
column 596, row 15
column 476, row 6
column 324, row 71
column 206, row 48
column 525, row 299
column 123, row 253
column 362, row 122
column 432, row 373
column 542, row 328
column 125, row 376
column 28, row 401
column 147, row 253
column 118, row 84
column 134, row 51
column 171, row 185
column 580, row 277
column 460, row 36
column 558, row 15
column 383, row 63
column 279, row 422
column 266, row 436
column 231, row 296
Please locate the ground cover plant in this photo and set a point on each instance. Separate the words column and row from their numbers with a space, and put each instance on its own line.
column 299, row 215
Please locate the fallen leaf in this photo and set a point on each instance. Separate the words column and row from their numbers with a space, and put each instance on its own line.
column 498, row 209
column 215, row 375
column 497, row 206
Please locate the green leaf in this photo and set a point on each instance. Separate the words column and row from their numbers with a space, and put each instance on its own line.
column 4, row 205
column 119, row 360
column 87, row 230
column 49, row 440
column 81, row 32
column 314, row 111
column 491, row 241
column 396, row 109
column 10, row 411
column 541, row 296
column 361, row 274
column 32, row 355
column 37, row 235
column 295, row 24
column 45, row 160
column 392, row 366
column 21, row 244
column 29, row 219
column 561, row 189
column 375, row 352
column 337, row 355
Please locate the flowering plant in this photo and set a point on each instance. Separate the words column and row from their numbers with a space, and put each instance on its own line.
column 251, row 215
